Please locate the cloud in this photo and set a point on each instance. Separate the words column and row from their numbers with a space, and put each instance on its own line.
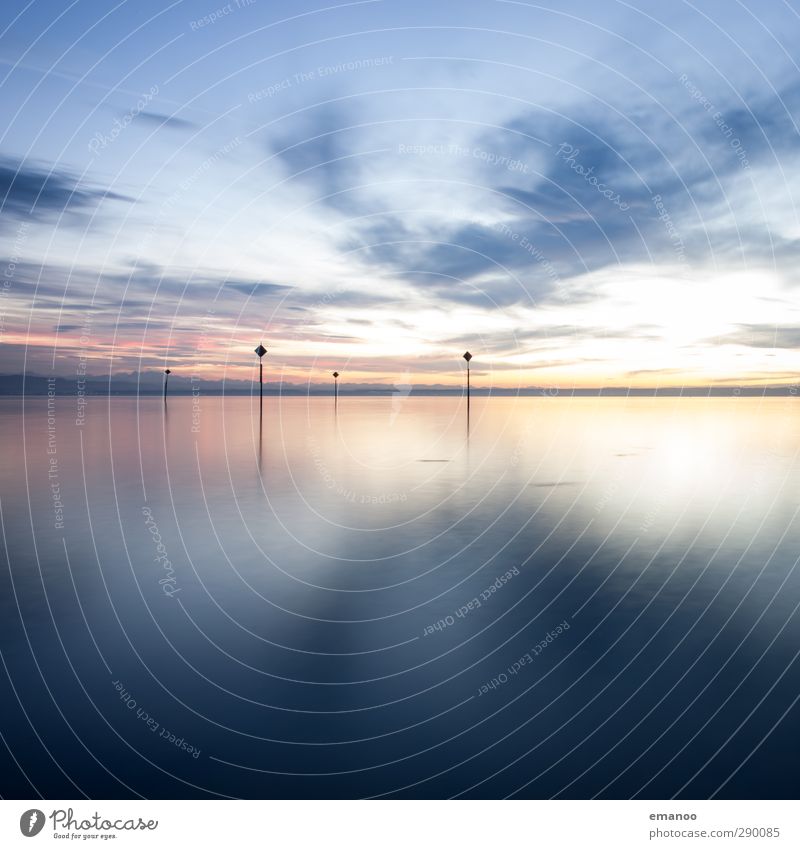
column 762, row 125
column 582, row 196
column 169, row 121
column 257, row 288
column 764, row 336
column 465, row 263
column 27, row 192
column 321, row 298
column 322, row 149
column 590, row 202
column 545, row 339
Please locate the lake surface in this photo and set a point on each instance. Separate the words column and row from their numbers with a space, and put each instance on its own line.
column 592, row 597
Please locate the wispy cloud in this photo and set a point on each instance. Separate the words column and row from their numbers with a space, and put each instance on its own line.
column 39, row 193
column 169, row 121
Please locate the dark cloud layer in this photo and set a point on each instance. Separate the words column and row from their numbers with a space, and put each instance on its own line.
column 36, row 193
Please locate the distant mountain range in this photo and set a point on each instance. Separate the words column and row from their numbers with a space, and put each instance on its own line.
column 150, row 383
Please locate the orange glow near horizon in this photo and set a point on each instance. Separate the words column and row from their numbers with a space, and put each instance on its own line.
column 639, row 331
column 500, row 374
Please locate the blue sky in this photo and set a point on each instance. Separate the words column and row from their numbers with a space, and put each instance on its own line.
column 582, row 193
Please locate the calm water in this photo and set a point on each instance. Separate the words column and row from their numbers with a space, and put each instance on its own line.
column 589, row 597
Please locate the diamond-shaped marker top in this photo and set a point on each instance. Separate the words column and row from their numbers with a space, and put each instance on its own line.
column 261, row 350
column 167, row 371
column 467, row 356
column 336, row 374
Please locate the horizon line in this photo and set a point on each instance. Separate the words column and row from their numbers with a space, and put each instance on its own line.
column 19, row 385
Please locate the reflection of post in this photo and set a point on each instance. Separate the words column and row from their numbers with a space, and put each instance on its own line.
column 167, row 373
column 336, row 390
column 260, row 429
column 260, row 350
column 467, row 357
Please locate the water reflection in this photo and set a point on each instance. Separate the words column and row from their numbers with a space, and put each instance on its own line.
column 342, row 593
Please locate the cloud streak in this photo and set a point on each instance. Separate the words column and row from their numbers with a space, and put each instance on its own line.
column 40, row 194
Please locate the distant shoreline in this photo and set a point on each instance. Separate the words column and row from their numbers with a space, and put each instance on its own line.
column 67, row 388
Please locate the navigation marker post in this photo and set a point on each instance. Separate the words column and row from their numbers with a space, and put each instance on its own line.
column 260, row 350
column 467, row 357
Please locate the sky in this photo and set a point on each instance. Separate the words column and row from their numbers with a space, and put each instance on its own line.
column 582, row 194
